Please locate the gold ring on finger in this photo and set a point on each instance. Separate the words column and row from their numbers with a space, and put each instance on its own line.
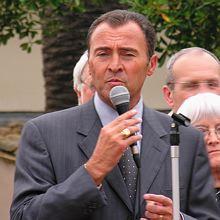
column 126, row 133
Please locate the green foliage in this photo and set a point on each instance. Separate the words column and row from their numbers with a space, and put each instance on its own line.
column 23, row 18
column 182, row 23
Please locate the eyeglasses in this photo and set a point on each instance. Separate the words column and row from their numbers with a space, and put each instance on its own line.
column 207, row 132
column 211, row 84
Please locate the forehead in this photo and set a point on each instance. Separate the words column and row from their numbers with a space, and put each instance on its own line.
column 208, row 121
column 196, row 65
column 129, row 32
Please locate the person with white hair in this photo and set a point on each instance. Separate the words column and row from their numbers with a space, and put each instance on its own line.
column 191, row 71
column 204, row 112
column 82, row 80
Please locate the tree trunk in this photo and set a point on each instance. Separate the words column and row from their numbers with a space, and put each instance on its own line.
column 62, row 50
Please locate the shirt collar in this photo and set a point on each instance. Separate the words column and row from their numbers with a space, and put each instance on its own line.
column 107, row 114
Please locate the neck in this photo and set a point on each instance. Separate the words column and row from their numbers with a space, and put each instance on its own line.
column 216, row 176
column 134, row 102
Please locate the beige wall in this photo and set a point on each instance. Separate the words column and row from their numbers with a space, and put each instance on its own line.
column 152, row 91
column 6, row 187
column 21, row 81
column 22, row 86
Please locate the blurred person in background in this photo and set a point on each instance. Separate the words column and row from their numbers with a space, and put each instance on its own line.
column 191, row 71
column 204, row 112
column 82, row 80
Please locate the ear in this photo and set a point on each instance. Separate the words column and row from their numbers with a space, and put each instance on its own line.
column 168, row 95
column 152, row 65
column 78, row 94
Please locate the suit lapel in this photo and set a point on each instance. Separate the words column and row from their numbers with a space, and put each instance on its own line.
column 153, row 149
column 89, row 129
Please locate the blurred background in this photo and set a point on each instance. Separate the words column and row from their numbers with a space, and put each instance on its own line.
column 41, row 41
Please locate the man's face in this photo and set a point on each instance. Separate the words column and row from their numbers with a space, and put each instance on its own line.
column 193, row 73
column 118, row 56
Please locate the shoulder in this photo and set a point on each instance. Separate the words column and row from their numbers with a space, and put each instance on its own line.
column 160, row 121
column 64, row 117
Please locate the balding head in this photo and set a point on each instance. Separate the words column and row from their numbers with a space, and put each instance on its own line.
column 191, row 71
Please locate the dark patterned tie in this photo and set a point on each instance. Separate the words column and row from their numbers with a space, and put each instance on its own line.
column 129, row 172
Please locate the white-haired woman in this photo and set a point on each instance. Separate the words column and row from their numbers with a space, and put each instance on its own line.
column 204, row 111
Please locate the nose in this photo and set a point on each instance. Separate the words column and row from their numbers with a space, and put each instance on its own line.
column 115, row 64
column 212, row 138
column 204, row 87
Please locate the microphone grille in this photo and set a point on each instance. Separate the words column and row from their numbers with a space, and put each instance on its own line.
column 119, row 95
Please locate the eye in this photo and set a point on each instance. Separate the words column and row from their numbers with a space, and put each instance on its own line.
column 202, row 129
column 101, row 54
column 218, row 129
column 190, row 85
column 213, row 84
column 129, row 54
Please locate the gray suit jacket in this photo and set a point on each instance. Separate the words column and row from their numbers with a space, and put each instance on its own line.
column 52, row 183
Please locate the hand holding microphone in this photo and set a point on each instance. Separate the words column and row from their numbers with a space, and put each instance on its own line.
column 120, row 98
column 113, row 141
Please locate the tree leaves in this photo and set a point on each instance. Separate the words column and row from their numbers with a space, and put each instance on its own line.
column 23, row 18
column 182, row 23
column 179, row 24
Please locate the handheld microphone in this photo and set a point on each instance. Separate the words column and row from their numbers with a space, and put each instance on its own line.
column 120, row 98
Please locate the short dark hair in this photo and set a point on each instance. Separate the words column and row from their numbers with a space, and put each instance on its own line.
column 120, row 17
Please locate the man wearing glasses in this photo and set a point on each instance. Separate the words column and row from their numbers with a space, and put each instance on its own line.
column 191, row 71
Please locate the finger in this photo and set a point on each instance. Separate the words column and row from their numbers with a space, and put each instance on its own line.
column 165, row 201
column 158, row 209
column 122, row 133
column 151, row 215
column 126, row 116
column 133, row 139
column 117, row 130
column 120, row 125
column 129, row 114
column 129, row 131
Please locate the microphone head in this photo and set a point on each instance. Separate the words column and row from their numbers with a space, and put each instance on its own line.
column 120, row 98
column 119, row 95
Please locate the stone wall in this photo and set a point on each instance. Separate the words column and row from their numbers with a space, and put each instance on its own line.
column 10, row 130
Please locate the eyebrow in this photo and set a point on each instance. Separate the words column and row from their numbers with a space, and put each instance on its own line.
column 201, row 126
column 130, row 49
column 205, row 126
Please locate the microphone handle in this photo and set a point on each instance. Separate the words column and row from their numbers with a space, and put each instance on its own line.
column 121, row 109
column 135, row 153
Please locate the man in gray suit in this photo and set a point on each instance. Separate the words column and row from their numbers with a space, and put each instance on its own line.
column 191, row 71
column 68, row 166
